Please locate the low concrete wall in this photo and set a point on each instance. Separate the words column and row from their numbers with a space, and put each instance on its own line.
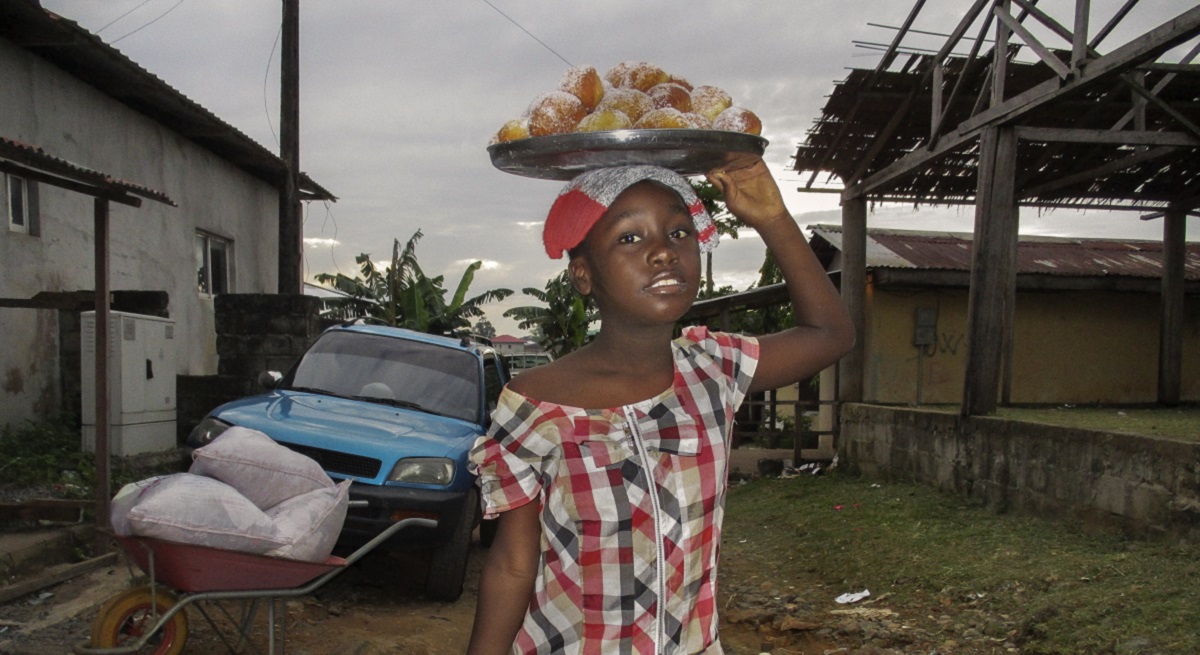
column 1143, row 486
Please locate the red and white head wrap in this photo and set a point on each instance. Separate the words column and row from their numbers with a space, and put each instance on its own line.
column 585, row 199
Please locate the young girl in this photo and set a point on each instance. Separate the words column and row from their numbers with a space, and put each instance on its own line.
column 607, row 467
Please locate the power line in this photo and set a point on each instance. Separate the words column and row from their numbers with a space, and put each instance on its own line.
column 144, row 3
column 160, row 17
column 488, row 3
column 266, row 76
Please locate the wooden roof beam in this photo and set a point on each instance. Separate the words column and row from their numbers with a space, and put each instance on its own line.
column 1063, row 72
column 1148, row 46
column 884, row 62
column 1112, row 23
column 901, row 112
column 1163, row 105
column 1119, row 137
column 1099, row 171
column 1048, row 58
column 940, row 110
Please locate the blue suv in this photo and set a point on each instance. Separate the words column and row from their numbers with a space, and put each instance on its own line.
column 397, row 412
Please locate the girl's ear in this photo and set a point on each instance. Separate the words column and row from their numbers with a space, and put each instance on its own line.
column 580, row 275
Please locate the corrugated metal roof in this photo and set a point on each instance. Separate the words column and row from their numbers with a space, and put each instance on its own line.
column 70, row 47
column 1035, row 254
column 37, row 159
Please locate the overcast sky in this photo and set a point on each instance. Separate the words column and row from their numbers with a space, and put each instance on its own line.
column 399, row 98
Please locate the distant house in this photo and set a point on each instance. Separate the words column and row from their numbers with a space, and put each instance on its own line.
column 507, row 344
column 68, row 95
column 1086, row 326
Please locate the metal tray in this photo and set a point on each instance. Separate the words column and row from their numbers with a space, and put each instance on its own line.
column 563, row 156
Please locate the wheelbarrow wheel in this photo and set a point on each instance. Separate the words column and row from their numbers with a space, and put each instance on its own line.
column 128, row 616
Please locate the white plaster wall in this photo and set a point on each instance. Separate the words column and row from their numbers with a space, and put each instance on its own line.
column 151, row 247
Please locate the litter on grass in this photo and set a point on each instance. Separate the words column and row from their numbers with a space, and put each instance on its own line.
column 854, row 597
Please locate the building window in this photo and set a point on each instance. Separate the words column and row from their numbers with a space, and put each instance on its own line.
column 213, row 273
column 16, row 204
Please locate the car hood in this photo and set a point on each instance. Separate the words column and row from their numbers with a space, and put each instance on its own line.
column 350, row 425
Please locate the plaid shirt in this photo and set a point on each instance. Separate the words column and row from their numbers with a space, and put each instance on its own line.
column 632, row 500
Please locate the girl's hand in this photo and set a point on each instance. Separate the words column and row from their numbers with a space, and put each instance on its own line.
column 750, row 192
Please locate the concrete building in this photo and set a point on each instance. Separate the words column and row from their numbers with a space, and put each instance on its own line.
column 70, row 97
column 1086, row 326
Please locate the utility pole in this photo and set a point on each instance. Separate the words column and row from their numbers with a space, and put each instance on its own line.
column 291, row 230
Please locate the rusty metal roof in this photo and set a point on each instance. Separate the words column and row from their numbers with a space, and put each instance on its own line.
column 39, row 161
column 84, row 55
column 1060, row 256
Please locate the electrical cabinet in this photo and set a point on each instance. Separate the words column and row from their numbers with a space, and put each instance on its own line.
column 141, row 383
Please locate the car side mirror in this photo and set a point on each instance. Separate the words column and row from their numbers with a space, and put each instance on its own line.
column 269, row 379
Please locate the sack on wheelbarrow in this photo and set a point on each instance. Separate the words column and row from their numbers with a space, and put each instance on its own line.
column 197, row 510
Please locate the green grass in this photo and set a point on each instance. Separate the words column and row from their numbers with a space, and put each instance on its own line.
column 1048, row 586
column 1181, row 422
column 35, row 454
column 48, row 456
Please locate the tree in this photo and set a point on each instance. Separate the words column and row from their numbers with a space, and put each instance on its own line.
column 485, row 329
column 561, row 324
column 727, row 224
column 402, row 295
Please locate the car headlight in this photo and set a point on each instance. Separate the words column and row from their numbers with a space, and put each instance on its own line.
column 423, row 470
column 208, row 429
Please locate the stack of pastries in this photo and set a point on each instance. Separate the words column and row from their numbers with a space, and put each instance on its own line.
column 631, row 95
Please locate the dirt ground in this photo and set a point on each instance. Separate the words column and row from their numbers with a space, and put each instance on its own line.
column 373, row 608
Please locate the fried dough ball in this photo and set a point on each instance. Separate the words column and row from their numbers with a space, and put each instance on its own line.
column 556, row 112
column 631, row 102
column 615, row 76
column 710, row 101
column 670, row 94
column 631, row 95
column 584, row 83
column 681, row 82
column 738, row 119
column 662, row 118
column 517, row 128
column 638, row 75
column 602, row 121
column 697, row 122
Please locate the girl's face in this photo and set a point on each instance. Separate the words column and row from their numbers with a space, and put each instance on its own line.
column 641, row 260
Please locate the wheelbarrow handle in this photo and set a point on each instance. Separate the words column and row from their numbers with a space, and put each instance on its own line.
column 387, row 534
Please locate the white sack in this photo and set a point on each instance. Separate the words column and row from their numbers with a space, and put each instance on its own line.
column 311, row 522
column 198, row 510
column 261, row 469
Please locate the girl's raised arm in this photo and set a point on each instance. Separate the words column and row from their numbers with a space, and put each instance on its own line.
column 823, row 330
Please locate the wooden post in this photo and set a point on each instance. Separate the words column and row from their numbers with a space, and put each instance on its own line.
column 1079, row 38
column 993, row 264
column 103, row 482
column 291, row 231
column 854, row 294
column 1170, row 330
column 1010, row 311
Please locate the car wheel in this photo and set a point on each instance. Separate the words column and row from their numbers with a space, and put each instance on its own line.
column 448, row 565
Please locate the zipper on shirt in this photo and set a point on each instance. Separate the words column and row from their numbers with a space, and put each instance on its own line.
column 660, row 567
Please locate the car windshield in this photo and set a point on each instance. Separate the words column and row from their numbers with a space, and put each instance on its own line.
column 390, row 371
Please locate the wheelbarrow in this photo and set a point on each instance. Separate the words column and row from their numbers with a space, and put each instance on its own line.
column 151, row 618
